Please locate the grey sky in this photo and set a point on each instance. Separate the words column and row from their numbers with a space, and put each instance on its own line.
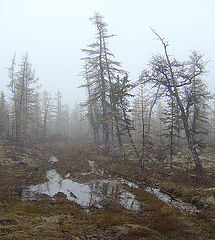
column 54, row 31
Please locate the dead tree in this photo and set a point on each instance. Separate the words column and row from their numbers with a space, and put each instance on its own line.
column 173, row 76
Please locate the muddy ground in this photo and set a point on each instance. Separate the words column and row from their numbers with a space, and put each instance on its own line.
column 56, row 217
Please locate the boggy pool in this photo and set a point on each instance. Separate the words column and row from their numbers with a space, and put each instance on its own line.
column 92, row 193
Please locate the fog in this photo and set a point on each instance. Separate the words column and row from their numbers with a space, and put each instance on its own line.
column 54, row 31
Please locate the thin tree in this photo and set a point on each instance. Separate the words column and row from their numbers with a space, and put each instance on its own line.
column 23, row 86
column 173, row 76
column 102, row 70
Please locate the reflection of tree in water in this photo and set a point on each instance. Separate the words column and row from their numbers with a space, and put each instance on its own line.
column 94, row 193
column 101, row 191
column 106, row 189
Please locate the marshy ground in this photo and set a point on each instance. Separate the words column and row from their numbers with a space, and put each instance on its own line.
column 53, row 216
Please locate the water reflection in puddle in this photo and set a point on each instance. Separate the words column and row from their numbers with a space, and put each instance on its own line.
column 126, row 182
column 85, row 194
column 96, row 191
column 182, row 206
column 162, row 196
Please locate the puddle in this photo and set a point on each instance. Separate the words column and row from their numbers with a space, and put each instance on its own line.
column 93, row 193
column 99, row 171
column 52, row 159
column 162, row 196
column 84, row 194
column 111, row 189
column 182, row 206
column 129, row 183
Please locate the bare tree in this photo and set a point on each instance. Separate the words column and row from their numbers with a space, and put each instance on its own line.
column 174, row 76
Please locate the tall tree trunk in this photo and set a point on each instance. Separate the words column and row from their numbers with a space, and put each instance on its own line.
column 151, row 109
column 175, row 93
column 143, row 148
column 187, row 132
column 118, row 133
column 111, row 96
column 105, row 126
column 171, row 133
column 172, row 88
column 142, row 161
column 112, row 138
column 128, row 129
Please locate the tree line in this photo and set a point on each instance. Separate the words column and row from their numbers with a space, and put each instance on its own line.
column 170, row 102
column 32, row 114
column 167, row 107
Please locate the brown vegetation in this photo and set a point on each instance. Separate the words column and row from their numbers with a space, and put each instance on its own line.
column 64, row 219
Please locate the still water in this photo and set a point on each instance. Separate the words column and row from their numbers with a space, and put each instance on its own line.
column 94, row 192
column 85, row 194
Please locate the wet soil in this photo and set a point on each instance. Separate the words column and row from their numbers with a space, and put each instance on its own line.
column 61, row 216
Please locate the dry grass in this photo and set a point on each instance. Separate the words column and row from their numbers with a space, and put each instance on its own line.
column 63, row 219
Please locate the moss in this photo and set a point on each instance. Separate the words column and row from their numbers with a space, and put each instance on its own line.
column 17, row 236
column 140, row 232
column 107, row 219
column 63, row 219
column 167, row 220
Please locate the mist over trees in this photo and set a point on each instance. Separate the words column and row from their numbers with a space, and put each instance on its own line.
column 31, row 114
column 167, row 108
column 172, row 96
